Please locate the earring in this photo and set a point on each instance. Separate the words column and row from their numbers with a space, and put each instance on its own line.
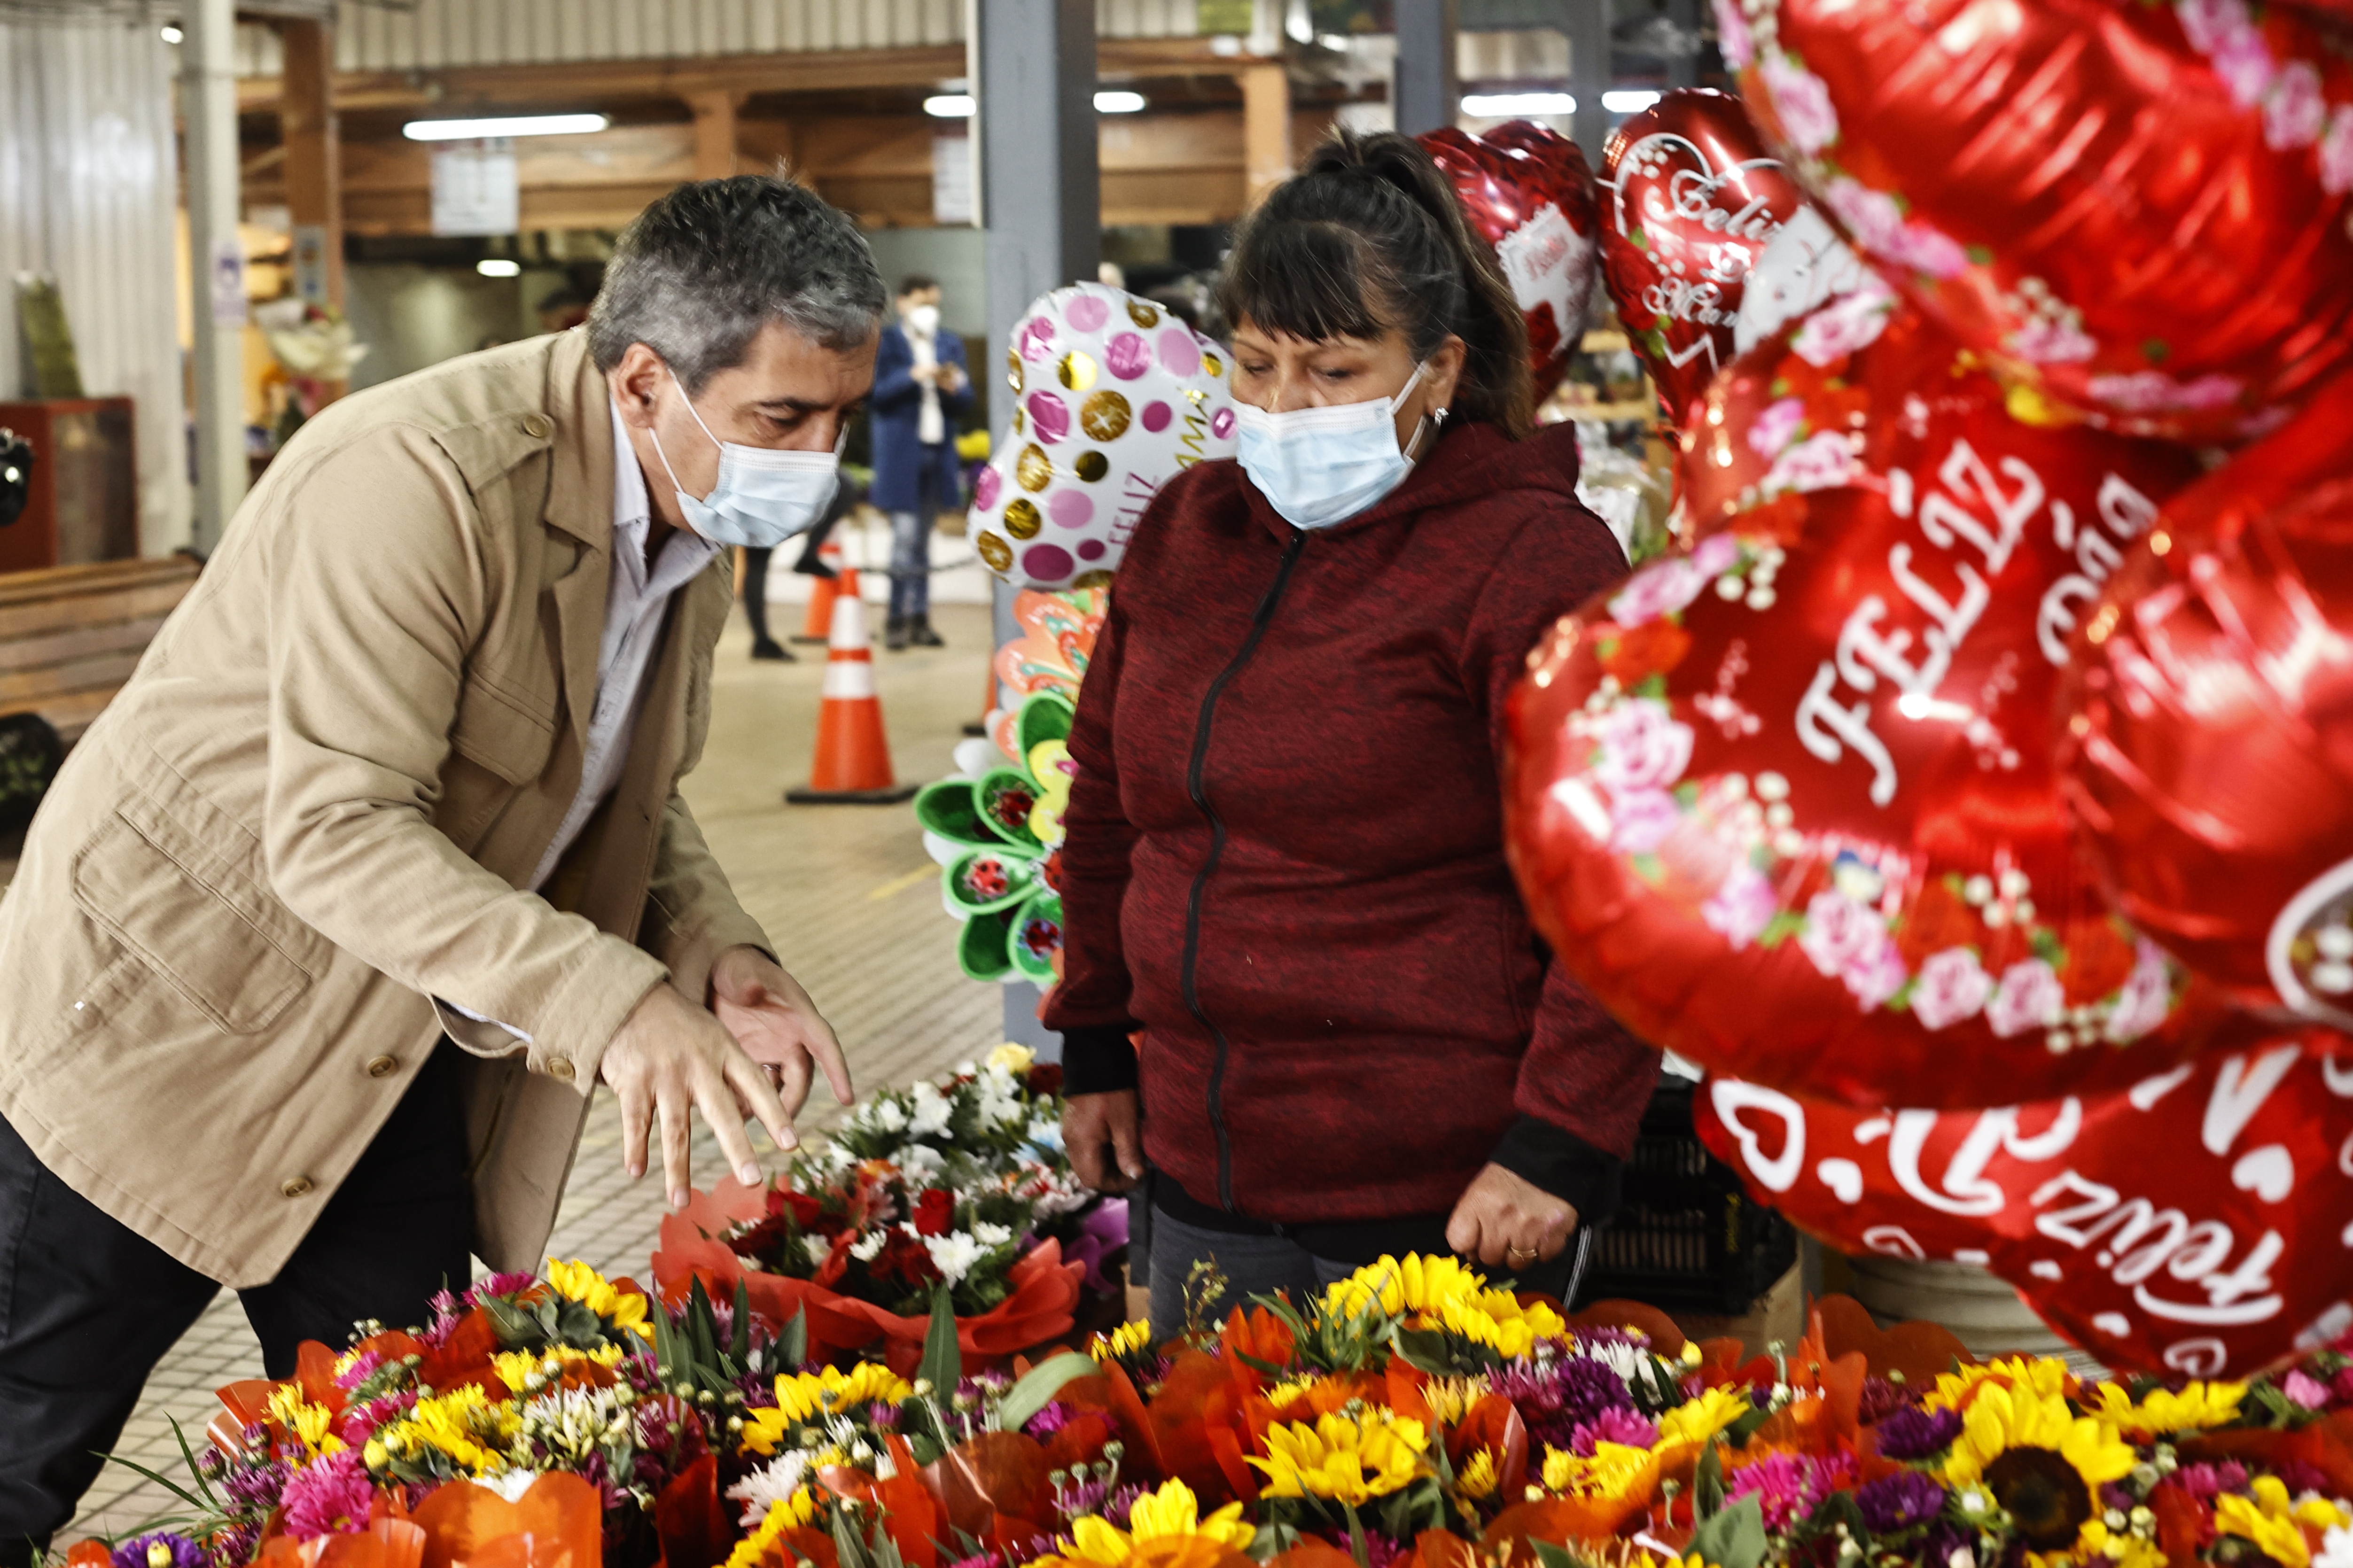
column 1440, row 415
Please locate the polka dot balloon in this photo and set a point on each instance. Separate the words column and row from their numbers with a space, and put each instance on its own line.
column 1112, row 396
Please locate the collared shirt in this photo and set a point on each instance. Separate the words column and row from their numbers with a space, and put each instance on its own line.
column 634, row 607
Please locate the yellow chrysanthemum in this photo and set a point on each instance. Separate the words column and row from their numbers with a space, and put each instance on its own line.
column 1128, row 1339
column 577, row 1282
column 1171, row 1513
column 1450, row 1398
column 1616, row 1470
column 2164, row 1412
column 790, row 1514
column 1348, row 1460
column 1015, row 1060
column 2273, row 1531
column 464, row 1425
column 517, row 1368
column 2042, row 1462
column 1698, row 1420
column 307, row 1421
column 805, row 1395
column 2043, row 1375
column 1477, row 1478
column 1291, row 1391
column 2106, row 1547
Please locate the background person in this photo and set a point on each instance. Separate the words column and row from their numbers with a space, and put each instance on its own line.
column 922, row 386
column 405, row 763
column 1286, row 864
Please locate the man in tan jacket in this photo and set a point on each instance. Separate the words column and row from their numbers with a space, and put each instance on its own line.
column 378, row 864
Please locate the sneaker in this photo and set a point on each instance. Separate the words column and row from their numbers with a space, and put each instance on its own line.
column 768, row 648
column 894, row 634
column 920, row 633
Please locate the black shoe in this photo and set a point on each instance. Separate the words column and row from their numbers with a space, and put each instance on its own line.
column 768, row 648
column 920, row 633
column 894, row 634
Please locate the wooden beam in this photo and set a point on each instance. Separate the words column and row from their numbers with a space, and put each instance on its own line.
column 1266, row 128
column 315, row 182
column 714, row 133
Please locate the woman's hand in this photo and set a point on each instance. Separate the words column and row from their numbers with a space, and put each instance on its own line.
column 1103, row 1133
column 1502, row 1219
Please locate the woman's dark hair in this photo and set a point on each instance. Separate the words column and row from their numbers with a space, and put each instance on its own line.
column 1370, row 238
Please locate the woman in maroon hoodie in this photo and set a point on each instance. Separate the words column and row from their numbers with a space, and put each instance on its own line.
column 1284, row 875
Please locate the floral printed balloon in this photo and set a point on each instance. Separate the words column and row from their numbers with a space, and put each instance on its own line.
column 1784, row 802
column 1111, row 395
column 2136, row 207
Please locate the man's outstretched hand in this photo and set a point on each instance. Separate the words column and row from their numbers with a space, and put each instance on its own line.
column 751, row 1054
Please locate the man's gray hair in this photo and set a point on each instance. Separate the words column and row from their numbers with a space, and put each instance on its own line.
column 699, row 273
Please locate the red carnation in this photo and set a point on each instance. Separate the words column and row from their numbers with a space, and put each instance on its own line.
column 934, row 1212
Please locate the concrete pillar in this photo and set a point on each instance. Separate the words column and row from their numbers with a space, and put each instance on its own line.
column 1425, row 93
column 714, row 133
column 1041, row 202
column 1587, row 23
column 1266, row 127
column 209, row 114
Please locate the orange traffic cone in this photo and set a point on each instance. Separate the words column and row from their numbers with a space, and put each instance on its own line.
column 817, row 625
column 853, row 755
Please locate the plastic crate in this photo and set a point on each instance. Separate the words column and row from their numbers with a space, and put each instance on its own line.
column 1688, row 1236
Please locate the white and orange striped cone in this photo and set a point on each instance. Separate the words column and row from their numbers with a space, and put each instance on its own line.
column 852, row 766
column 817, row 625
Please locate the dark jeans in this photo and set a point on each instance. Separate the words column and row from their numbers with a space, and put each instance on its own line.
column 1263, row 1265
column 756, row 592
column 88, row 1306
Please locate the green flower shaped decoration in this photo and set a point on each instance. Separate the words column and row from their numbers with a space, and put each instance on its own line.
column 999, row 836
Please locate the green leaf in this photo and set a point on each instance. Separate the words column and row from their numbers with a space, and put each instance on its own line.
column 792, row 1345
column 1740, row 1431
column 1039, row 1386
column 702, row 1328
column 847, row 1545
column 1733, row 1537
column 1425, row 1350
column 515, row 1326
column 1272, row 1540
column 739, row 1346
column 1707, row 1482
column 1551, row 1557
column 942, row 1363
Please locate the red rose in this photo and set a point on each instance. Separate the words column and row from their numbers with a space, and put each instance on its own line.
column 934, row 1212
column 805, row 1209
column 1046, row 1078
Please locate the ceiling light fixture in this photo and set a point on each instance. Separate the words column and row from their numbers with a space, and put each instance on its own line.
column 1629, row 99
column 949, row 106
column 509, row 125
column 1504, row 105
column 1115, row 100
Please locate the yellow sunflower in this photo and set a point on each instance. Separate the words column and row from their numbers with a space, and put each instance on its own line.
column 1171, row 1513
column 1124, row 1340
column 576, row 1281
column 2043, row 1375
column 2043, row 1463
column 1615, row 1471
column 2164, row 1412
column 790, row 1514
column 1347, row 1459
column 1442, row 1292
column 804, row 1395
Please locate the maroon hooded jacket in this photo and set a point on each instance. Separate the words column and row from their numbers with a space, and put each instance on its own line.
column 1285, row 865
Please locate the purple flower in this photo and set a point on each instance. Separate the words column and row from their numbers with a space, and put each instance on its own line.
column 1630, row 1427
column 329, row 1498
column 1048, row 1421
column 1787, row 1484
column 1556, row 1400
column 161, row 1550
column 1915, row 1434
column 1881, row 1399
column 1899, row 1501
column 362, row 1367
column 2205, row 1480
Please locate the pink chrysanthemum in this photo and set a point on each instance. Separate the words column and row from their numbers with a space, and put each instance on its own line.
column 1627, row 1427
column 329, row 1498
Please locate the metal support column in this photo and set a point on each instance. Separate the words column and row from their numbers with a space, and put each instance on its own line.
column 1682, row 68
column 208, row 112
column 1425, row 91
column 1040, row 201
column 1587, row 23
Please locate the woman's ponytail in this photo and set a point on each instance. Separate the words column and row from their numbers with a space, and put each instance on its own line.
column 1370, row 236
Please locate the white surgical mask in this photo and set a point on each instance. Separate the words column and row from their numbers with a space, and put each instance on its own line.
column 924, row 320
column 1317, row 467
column 763, row 497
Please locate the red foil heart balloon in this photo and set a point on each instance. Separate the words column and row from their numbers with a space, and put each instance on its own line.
column 2210, row 758
column 1690, row 199
column 1785, row 804
column 2197, row 1223
column 1529, row 193
column 2137, row 206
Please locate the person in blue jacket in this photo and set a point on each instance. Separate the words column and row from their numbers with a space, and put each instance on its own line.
column 921, row 384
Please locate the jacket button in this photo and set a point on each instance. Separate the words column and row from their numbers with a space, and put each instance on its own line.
column 537, row 426
column 383, row 1067
column 560, row 1069
column 295, row 1186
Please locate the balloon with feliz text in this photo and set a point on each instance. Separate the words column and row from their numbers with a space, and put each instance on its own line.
column 1784, row 803
column 1690, row 200
column 2197, row 1224
column 1529, row 193
column 2210, row 754
column 1111, row 395
column 2136, row 207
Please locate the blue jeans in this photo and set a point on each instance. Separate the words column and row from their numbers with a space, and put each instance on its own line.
column 911, row 564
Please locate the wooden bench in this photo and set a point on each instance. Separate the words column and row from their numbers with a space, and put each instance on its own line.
column 70, row 636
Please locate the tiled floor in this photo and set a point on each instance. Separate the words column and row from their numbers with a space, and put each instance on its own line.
column 845, row 891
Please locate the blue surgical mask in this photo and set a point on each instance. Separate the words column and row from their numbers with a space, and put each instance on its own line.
column 763, row 497
column 1317, row 467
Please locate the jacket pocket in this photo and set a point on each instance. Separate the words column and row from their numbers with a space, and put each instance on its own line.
column 502, row 731
column 204, row 932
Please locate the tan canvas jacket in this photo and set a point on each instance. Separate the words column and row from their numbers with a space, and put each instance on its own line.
column 308, row 815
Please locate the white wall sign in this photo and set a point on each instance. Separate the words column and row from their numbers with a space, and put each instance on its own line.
column 476, row 190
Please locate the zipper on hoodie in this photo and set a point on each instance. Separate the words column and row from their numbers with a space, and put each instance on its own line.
column 1194, row 786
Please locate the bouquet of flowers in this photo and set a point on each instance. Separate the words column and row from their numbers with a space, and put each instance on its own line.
column 961, row 1186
